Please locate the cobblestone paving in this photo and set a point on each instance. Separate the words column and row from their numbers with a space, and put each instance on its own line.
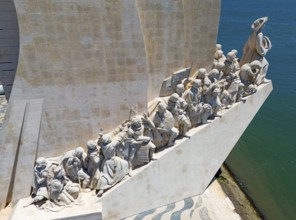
column 3, row 106
column 213, row 204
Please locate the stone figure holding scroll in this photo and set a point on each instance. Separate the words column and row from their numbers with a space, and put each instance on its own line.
column 257, row 47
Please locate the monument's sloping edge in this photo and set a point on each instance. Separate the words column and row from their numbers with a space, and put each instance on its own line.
column 187, row 168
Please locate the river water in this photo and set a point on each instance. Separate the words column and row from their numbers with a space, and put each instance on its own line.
column 264, row 159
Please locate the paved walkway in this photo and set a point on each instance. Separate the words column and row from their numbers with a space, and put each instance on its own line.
column 213, row 204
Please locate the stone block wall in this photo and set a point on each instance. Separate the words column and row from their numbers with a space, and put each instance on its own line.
column 90, row 60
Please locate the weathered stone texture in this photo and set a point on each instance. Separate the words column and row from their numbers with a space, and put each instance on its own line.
column 92, row 60
column 9, row 146
column 176, row 34
column 187, row 168
column 87, row 60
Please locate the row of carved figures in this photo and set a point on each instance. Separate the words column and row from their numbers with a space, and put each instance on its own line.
column 195, row 101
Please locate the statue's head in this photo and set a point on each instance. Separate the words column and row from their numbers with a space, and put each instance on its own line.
column 214, row 73
column 234, row 51
column 161, row 107
column 218, row 47
column 230, row 56
column 56, row 186
column 174, row 98
column 201, row 73
column 78, row 152
column 180, row 88
column 59, row 171
column 91, row 145
column 196, row 84
column 216, row 92
column 41, row 162
column 136, row 123
column 219, row 54
column 220, row 65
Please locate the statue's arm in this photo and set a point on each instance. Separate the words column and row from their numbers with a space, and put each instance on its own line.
column 259, row 45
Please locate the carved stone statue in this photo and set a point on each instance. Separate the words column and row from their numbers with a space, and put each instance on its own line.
column 205, row 82
column 42, row 175
column 198, row 112
column 248, row 75
column 75, row 167
column 231, row 65
column 140, row 147
column 232, row 87
column 113, row 168
column 160, row 126
column 218, row 56
column 257, row 47
column 182, row 122
column 66, row 186
column 215, row 102
column 93, row 163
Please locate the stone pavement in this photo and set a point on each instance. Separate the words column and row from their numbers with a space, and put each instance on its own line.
column 213, row 204
column 3, row 106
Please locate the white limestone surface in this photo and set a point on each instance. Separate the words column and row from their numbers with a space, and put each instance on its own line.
column 89, row 209
column 187, row 168
column 212, row 204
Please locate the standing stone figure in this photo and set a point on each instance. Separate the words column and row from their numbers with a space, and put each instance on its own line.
column 197, row 111
column 182, row 122
column 93, row 163
column 256, row 48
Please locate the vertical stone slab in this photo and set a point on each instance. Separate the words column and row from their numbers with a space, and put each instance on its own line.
column 177, row 33
column 201, row 23
column 27, row 151
column 187, row 168
column 86, row 60
column 162, row 23
column 9, row 144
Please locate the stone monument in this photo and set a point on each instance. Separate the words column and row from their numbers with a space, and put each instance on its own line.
column 99, row 70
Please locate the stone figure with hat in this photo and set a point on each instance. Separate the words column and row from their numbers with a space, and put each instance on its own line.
column 140, row 147
column 257, row 47
column 182, row 122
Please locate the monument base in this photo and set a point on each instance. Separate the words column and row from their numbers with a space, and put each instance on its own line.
column 179, row 172
column 91, row 209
